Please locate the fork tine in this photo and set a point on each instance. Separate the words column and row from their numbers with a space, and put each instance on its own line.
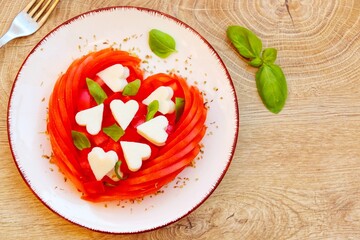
column 48, row 12
column 27, row 8
column 34, row 9
column 25, row 24
column 40, row 12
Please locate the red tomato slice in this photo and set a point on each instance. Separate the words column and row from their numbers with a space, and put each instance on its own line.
column 70, row 95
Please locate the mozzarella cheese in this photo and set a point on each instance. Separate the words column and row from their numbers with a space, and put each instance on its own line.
column 91, row 118
column 135, row 153
column 124, row 112
column 154, row 130
column 115, row 77
column 101, row 162
column 163, row 95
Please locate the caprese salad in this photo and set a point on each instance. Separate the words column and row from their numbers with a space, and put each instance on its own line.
column 117, row 135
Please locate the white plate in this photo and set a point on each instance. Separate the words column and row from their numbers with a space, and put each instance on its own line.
column 125, row 28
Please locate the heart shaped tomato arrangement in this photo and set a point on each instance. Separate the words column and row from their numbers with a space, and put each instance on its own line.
column 116, row 135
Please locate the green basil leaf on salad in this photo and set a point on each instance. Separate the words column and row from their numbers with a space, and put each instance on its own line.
column 152, row 108
column 115, row 132
column 179, row 107
column 245, row 41
column 96, row 91
column 161, row 43
column 132, row 88
column 80, row 140
column 269, row 55
column 117, row 170
column 272, row 87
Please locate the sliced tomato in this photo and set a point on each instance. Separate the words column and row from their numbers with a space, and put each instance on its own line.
column 171, row 157
column 94, row 187
column 85, row 101
column 185, row 161
column 71, row 95
column 100, row 139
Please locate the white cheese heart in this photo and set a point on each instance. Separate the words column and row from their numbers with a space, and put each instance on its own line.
column 115, row 77
column 124, row 112
column 154, row 130
column 163, row 95
column 135, row 153
column 101, row 162
column 91, row 118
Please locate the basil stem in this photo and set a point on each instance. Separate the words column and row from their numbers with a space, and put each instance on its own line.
column 117, row 170
column 256, row 62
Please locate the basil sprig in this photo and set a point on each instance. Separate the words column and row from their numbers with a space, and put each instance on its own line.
column 270, row 79
column 161, row 43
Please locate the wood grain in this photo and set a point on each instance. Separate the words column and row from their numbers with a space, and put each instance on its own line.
column 295, row 175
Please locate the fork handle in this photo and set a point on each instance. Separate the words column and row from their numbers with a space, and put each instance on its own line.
column 6, row 38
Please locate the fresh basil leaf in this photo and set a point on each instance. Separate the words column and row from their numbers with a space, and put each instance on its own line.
column 96, row 91
column 272, row 87
column 132, row 88
column 115, row 132
column 245, row 41
column 269, row 55
column 80, row 140
column 179, row 107
column 162, row 44
column 152, row 108
column 256, row 62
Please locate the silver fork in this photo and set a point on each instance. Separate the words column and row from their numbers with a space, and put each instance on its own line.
column 29, row 20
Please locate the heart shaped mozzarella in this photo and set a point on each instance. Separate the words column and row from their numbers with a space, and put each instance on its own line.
column 163, row 95
column 154, row 130
column 91, row 118
column 135, row 153
column 124, row 112
column 101, row 162
column 115, row 77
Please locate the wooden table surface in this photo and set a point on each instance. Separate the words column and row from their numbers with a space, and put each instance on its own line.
column 294, row 175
